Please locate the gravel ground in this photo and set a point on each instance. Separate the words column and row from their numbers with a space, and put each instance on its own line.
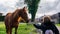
column 58, row 28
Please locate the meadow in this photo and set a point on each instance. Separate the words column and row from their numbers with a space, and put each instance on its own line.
column 22, row 29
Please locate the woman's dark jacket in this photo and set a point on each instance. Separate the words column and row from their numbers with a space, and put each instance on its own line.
column 47, row 26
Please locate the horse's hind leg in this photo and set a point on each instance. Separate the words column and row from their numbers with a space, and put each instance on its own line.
column 7, row 31
column 16, row 30
column 10, row 30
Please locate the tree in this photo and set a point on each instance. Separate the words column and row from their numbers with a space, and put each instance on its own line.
column 32, row 7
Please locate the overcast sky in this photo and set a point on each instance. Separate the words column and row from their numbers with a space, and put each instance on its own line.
column 47, row 7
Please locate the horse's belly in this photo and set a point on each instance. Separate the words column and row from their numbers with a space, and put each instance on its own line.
column 14, row 25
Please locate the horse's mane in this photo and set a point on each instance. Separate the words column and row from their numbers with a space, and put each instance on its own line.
column 15, row 13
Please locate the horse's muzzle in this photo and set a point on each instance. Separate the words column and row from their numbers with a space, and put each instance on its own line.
column 27, row 21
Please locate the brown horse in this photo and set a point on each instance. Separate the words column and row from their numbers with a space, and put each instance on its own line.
column 12, row 19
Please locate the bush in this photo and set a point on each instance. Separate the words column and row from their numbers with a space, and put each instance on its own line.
column 2, row 18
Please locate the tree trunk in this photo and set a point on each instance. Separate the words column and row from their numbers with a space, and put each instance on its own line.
column 32, row 17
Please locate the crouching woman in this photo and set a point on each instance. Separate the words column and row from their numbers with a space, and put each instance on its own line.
column 47, row 26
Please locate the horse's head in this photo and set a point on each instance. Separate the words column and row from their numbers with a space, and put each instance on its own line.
column 23, row 14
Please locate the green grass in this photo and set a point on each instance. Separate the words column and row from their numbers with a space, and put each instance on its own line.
column 22, row 29
column 57, row 24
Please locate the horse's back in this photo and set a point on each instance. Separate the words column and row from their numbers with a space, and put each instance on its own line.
column 8, row 15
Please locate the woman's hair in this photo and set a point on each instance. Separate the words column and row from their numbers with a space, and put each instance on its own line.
column 46, row 19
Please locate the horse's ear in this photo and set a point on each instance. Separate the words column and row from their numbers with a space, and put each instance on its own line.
column 25, row 9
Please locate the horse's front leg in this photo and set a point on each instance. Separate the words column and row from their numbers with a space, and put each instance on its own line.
column 16, row 30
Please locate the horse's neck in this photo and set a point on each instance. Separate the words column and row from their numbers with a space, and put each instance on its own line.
column 15, row 15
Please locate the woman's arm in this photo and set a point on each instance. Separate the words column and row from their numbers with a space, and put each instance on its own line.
column 37, row 26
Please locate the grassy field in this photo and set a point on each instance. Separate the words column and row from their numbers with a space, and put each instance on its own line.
column 57, row 24
column 22, row 29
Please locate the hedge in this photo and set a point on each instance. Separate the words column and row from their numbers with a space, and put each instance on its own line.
column 2, row 18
